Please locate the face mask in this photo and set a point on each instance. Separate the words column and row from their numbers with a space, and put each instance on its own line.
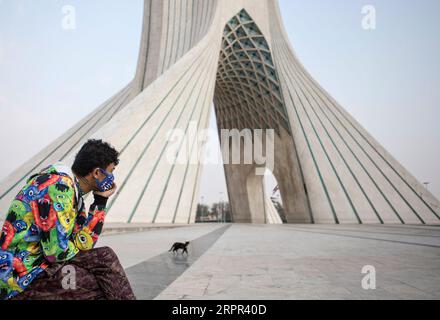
column 107, row 183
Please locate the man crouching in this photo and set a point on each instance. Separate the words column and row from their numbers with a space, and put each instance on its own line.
column 47, row 231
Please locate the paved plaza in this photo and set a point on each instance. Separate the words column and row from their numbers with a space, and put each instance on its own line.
column 248, row 261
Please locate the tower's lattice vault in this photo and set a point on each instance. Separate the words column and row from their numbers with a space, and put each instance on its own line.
column 237, row 54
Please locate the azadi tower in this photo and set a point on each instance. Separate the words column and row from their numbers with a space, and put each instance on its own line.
column 236, row 54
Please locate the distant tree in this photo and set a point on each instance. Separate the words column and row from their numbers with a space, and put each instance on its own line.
column 221, row 211
column 279, row 207
column 202, row 212
column 213, row 213
column 227, row 209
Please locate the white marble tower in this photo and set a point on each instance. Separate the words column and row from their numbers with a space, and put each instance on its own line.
column 237, row 54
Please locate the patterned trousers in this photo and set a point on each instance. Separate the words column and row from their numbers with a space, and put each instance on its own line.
column 91, row 275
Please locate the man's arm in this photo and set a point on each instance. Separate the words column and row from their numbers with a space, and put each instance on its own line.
column 89, row 226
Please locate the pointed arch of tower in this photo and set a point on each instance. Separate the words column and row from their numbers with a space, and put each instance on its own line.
column 248, row 93
column 248, row 96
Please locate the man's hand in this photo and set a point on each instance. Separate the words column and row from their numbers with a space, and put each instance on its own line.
column 107, row 194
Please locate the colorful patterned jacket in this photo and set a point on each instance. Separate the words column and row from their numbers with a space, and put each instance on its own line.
column 46, row 223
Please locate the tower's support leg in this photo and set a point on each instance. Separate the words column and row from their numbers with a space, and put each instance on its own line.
column 236, row 177
column 246, row 194
column 288, row 173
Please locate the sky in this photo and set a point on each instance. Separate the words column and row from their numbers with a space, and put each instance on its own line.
column 387, row 78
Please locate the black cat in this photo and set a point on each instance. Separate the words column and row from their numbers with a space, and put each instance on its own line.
column 180, row 246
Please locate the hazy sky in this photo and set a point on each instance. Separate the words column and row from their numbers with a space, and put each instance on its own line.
column 389, row 78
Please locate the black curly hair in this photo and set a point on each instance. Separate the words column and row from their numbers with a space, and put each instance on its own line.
column 94, row 154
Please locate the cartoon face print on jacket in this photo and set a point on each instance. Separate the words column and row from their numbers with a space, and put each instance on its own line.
column 23, row 282
column 86, row 237
column 26, row 261
column 45, row 180
column 53, row 249
column 7, row 235
column 12, row 232
column 21, row 209
column 14, row 225
column 34, row 248
column 44, row 214
column 18, row 215
column 38, row 189
column 63, row 236
column 19, row 267
column 6, row 264
column 83, row 239
column 33, row 193
column 33, row 234
column 61, row 195
column 49, row 242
